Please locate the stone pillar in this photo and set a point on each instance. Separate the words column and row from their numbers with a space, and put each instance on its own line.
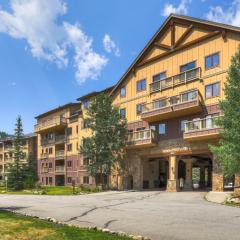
column 188, row 185
column 172, row 185
column 137, row 173
column 237, row 184
column 209, row 183
column 217, row 177
column 202, row 176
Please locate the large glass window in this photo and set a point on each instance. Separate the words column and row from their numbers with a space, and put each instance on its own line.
column 141, row 85
column 123, row 91
column 182, row 125
column 162, row 128
column 187, row 66
column 159, row 77
column 139, row 108
column 212, row 60
column 123, row 113
column 212, row 90
column 189, row 96
column 159, row 103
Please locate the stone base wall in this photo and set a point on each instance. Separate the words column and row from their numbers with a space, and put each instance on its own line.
column 237, row 183
column 217, row 182
column 173, row 186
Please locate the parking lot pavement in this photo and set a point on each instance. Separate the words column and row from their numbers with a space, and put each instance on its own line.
column 158, row 215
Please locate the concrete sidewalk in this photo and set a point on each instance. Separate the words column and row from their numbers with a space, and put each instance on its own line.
column 217, row 197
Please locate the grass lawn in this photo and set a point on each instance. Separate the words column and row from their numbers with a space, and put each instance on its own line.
column 17, row 227
column 51, row 190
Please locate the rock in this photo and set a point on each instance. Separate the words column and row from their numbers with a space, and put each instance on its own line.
column 105, row 230
column 138, row 237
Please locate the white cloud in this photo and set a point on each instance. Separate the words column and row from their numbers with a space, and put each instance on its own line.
column 38, row 22
column 110, row 46
column 182, row 8
column 231, row 15
column 12, row 84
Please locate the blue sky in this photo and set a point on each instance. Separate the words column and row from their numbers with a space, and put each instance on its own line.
column 53, row 51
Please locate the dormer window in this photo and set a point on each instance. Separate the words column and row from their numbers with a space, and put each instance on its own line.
column 123, row 92
column 86, row 104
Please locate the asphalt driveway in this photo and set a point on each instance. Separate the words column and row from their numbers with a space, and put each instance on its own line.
column 158, row 215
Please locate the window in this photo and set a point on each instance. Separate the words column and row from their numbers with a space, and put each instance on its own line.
column 77, row 129
column 123, row 113
column 85, row 124
column 189, row 96
column 69, row 147
column 212, row 61
column 153, row 127
column 139, row 108
column 85, row 161
column 141, row 85
column 212, row 90
column 46, row 180
column 159, row 77
column 159, row 103
column 187, row 66
column 69, row 180
column 162, row 128
column 50, row 180
column 69, row 163
column 123, row 91
column 77, row 145
column 86, row 180
column 50, row 165
column 182, row 125
column 50, row 150
column 86, row 103
column 69, row 131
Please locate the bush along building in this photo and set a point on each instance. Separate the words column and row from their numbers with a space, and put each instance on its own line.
column 170, row 98
column 29, row 146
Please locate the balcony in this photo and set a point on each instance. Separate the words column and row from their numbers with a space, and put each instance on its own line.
column 58, row 139
column 54, row 123
column 201, row 129
column 171, row 82
column 60, row 169
column 142, row 138
column 60, row 154
column 44, row 155
column 44, row 170
column 180, row 105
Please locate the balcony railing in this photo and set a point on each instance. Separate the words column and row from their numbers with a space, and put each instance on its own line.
column 142, row 137
column 59, row 169
column 44, row 155
column 59, row 154
column 178, row 79
column 44, row 170
column 164, row 107
column 57, row 121
column 202, row 128
column 55, row 140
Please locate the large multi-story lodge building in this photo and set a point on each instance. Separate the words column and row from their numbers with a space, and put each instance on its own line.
column 29, row 146
column 170, row 98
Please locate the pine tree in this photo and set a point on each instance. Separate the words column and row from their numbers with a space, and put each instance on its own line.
column 227, row 152
column 104, row 149
column 15, row 170
column 30, row 172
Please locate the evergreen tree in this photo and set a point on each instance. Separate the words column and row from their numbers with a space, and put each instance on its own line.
column 227, row 152
column 30, row 175
column 15, row 170
column 104, row 149
column 3, row 135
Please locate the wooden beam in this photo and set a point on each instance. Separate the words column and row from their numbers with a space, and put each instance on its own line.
column 162, row 46
column 184, row 36
column 196, row 41
column 224, row 35
column 172, row 33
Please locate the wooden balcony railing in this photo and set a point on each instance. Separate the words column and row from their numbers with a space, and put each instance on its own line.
column 44, row 155
column 142, row 137
column 44, row 170
column 202, row 128
column 59, row 169
column 53, row 122
column 181, row 78
column 59, row 154
column 163, row 108
column 55, row 140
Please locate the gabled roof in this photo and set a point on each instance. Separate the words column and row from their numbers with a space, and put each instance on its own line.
column 57, row 109
column 92, row 94
column 166, row 25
